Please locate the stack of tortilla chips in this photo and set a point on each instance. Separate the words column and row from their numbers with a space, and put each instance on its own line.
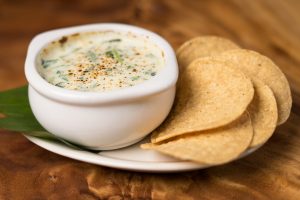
column 228, row 100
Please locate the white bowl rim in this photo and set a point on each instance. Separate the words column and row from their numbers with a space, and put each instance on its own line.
column 166, row 78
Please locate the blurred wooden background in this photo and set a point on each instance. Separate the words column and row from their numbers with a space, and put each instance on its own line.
column 271, row 27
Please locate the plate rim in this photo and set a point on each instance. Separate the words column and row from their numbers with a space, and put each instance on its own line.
column 138, row 166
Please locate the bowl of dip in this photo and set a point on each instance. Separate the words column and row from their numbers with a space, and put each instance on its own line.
column 102, row 86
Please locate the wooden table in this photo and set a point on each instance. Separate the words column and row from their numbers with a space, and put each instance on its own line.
column 271, row 27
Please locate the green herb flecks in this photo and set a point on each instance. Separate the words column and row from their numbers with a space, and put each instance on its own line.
column 92, row 56
column 14, row 105
column 109, row 54
column 60, row 84
column 115, row 55
column 64, row 78
column 62, row 75
column 76, row 49
column 47, row 63
column 134, row 78
column 148, row 72
column 94, row 85
column 91, row 68
column 115, row 40
column 150, row 55
column 81, row 78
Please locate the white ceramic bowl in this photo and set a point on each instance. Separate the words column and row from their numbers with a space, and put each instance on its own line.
column 102, row 120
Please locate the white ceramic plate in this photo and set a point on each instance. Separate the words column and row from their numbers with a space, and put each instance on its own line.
column 131, row 158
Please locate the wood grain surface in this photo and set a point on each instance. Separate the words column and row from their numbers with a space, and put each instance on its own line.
column 271, row 27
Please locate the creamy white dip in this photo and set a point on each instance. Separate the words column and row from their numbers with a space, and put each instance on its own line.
column 99, row 61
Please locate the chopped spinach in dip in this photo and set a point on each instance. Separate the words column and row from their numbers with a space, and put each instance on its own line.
column 99, row 61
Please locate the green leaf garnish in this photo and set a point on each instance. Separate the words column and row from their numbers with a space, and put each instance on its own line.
column 14, row 105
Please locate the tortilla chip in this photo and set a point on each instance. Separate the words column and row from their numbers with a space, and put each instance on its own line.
column 209, row 95
column 215, row 146
column 263, row 113
column 255, row 65
column 201, row 47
